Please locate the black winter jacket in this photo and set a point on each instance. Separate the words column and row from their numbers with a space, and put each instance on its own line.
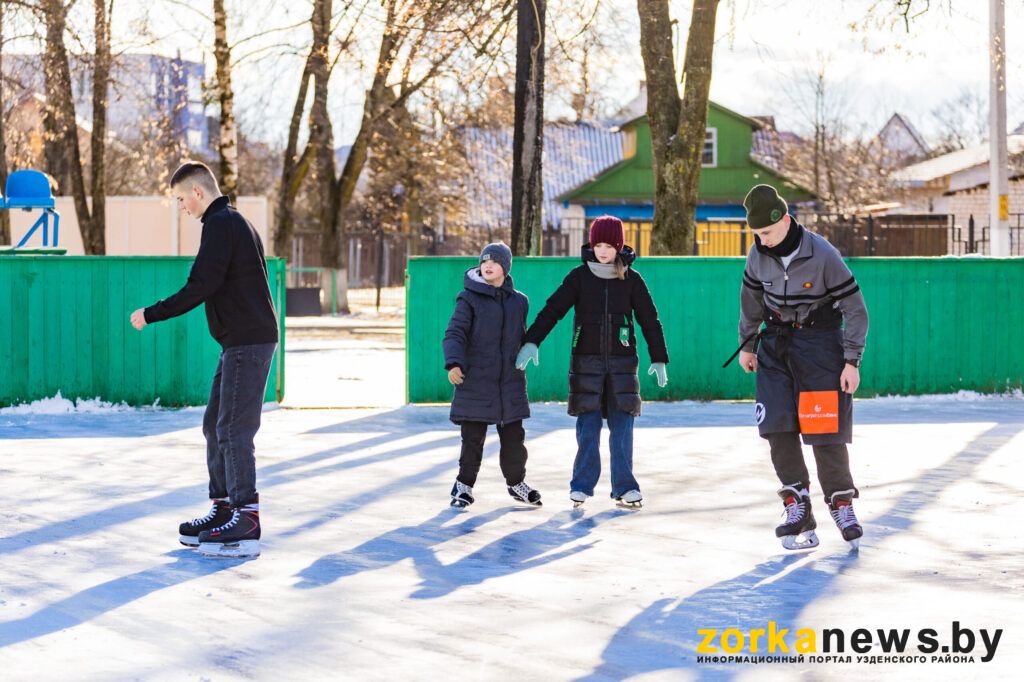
column 604, row 359
column 483, row 338
column 230, row 277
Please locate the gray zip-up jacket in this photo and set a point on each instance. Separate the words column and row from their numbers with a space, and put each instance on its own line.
column 817, row 276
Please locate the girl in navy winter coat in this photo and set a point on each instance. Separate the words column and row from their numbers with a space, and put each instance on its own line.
column 480, row 346
column 606, row 294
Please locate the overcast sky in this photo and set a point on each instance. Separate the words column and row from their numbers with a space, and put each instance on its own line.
column 763, row 48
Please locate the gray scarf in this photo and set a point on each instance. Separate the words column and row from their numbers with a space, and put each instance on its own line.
column 603, row 270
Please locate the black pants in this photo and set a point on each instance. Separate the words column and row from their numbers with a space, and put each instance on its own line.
column 232, row 419
column 833, row 464
column 512, row 456
column 798, row 373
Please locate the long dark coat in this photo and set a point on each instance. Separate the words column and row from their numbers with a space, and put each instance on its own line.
column 483, row 338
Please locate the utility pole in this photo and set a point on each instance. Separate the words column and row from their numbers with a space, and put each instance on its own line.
column 998, row 186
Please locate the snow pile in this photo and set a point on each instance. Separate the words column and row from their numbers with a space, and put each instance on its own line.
column 61, row 405
column 959, row 396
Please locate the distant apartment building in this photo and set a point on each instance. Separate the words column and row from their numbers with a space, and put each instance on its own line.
column 144, row 88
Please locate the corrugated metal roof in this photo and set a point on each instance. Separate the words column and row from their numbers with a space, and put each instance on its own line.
column 573, row 152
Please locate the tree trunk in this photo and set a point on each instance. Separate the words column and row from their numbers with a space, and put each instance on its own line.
column 293, row 171
column 321, row 135
column 372, row 112
column 228, row 146
column 98, row 149
column 373, row 109
column 5, row 218
column 61, row 110
column 678, row 128
column 688, row 146
column 528, row 134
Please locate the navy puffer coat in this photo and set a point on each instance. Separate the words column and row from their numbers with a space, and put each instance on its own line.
column 483, row 338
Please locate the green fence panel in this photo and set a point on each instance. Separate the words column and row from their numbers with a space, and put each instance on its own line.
column 64, row 327
column 938, row 325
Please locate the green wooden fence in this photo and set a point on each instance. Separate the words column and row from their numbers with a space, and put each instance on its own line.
column 64, row 327
column 938, row 325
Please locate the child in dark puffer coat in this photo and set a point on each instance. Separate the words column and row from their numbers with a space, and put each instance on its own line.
column 483, row 338
column 606, row 293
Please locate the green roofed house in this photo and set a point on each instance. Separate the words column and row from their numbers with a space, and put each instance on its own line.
column 730, row 169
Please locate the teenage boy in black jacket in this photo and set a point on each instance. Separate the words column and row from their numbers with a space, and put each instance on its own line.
column 229, row 276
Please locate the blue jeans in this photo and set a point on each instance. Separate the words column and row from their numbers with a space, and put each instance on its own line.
column 587, row 467
column 232, row 419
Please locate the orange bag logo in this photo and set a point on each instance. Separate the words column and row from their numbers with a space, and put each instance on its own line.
column 819, row 412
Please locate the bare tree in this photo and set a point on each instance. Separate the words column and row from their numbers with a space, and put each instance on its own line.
column 321, row 134
column 528, row 133
column 293, row 170
column 228, row 145
column 839, row 160
column 5, row 219
column 678, row 127
column 961, row 122
column 61, row 115
column 98, row 136
column 296, row 166
column 417, row 40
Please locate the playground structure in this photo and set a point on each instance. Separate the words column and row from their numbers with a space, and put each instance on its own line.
column 28, row 190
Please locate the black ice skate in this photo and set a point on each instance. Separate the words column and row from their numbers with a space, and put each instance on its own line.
column 462, row 495
column 525, row 493
column 630, row 500
column 219, row 514
column 578, row 497
column 238, row 537
column 797, row 529
column 840, row 505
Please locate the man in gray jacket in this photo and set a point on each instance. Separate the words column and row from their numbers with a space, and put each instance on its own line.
column 807, row 360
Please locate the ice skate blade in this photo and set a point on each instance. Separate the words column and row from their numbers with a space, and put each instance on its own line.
column 231, row 550
column 538, row 503
column 189, row 540
column 854, row 544
column 632, row 506
column 459, row 504
column 794, row 543
column 577, row 504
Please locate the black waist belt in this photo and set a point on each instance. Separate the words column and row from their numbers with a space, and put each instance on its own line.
column 777, row 328
column 743, row 343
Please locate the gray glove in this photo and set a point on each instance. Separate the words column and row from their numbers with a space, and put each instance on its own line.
column 527, row 354
column 659, row 371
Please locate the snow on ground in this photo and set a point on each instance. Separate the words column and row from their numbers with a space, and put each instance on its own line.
column 367, row 574
column 344, row 362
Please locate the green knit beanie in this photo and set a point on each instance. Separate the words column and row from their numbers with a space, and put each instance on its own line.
column 764, row 207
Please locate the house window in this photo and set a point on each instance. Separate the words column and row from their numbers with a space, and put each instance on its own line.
column 629, row 143
column 709, row 159
column 195, row 88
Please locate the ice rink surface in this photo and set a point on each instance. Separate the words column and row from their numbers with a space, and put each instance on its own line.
column 367, row 574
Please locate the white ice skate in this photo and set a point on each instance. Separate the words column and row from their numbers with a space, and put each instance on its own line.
column 631, row 500
column 806, row 540
column 578, row 498
column 233, row 550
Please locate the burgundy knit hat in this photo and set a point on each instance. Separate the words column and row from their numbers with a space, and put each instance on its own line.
column 607, row 230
